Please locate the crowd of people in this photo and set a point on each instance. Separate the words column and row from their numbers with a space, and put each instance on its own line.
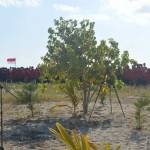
column 138, row 74
column 19, row 74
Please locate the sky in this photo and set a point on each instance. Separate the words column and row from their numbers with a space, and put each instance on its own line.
column 24, row 25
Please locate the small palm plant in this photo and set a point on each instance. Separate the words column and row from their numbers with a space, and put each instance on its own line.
column 70, row 88
column 28, row 95
column 141, row 104
column 42, row 89
column 73, row 141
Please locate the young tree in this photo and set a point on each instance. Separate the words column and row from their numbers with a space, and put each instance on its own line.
column 73, row 55
column 109, row 62
column 71, row 48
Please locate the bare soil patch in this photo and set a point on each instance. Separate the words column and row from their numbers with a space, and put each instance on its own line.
column 24, row 133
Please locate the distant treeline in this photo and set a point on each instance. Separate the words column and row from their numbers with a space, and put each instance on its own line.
column 138, row 74
column 19, row 74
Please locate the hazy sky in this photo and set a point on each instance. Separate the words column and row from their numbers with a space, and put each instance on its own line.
column 24, row 25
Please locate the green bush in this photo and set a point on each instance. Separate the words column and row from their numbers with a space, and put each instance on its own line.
column 28, row 95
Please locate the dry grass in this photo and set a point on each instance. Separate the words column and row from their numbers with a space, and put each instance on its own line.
column 53, row 92
column 133, row 92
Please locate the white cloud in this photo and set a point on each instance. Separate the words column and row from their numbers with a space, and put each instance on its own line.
column 66, row 8
column 92, row 17
column 18, row 3
column 131, row 10
column 76, row 13
column 98, row 17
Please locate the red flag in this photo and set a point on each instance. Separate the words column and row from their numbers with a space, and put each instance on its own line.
column 11, row 60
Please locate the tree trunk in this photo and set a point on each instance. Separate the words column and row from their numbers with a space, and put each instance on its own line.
column 139, row 121
column 74, row 111
column 85, row 102
column 32, row 113
column 110, row 99
column 95, row 103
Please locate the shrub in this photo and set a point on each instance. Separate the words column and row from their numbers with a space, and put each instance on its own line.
column 28, row 95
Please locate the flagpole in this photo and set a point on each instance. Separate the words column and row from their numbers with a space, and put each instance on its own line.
column 1, row 106
column 1, row 113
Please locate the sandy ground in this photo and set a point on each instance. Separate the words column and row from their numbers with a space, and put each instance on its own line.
column 22, row 132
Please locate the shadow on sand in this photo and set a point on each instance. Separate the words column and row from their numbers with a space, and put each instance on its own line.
column 34, row 130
